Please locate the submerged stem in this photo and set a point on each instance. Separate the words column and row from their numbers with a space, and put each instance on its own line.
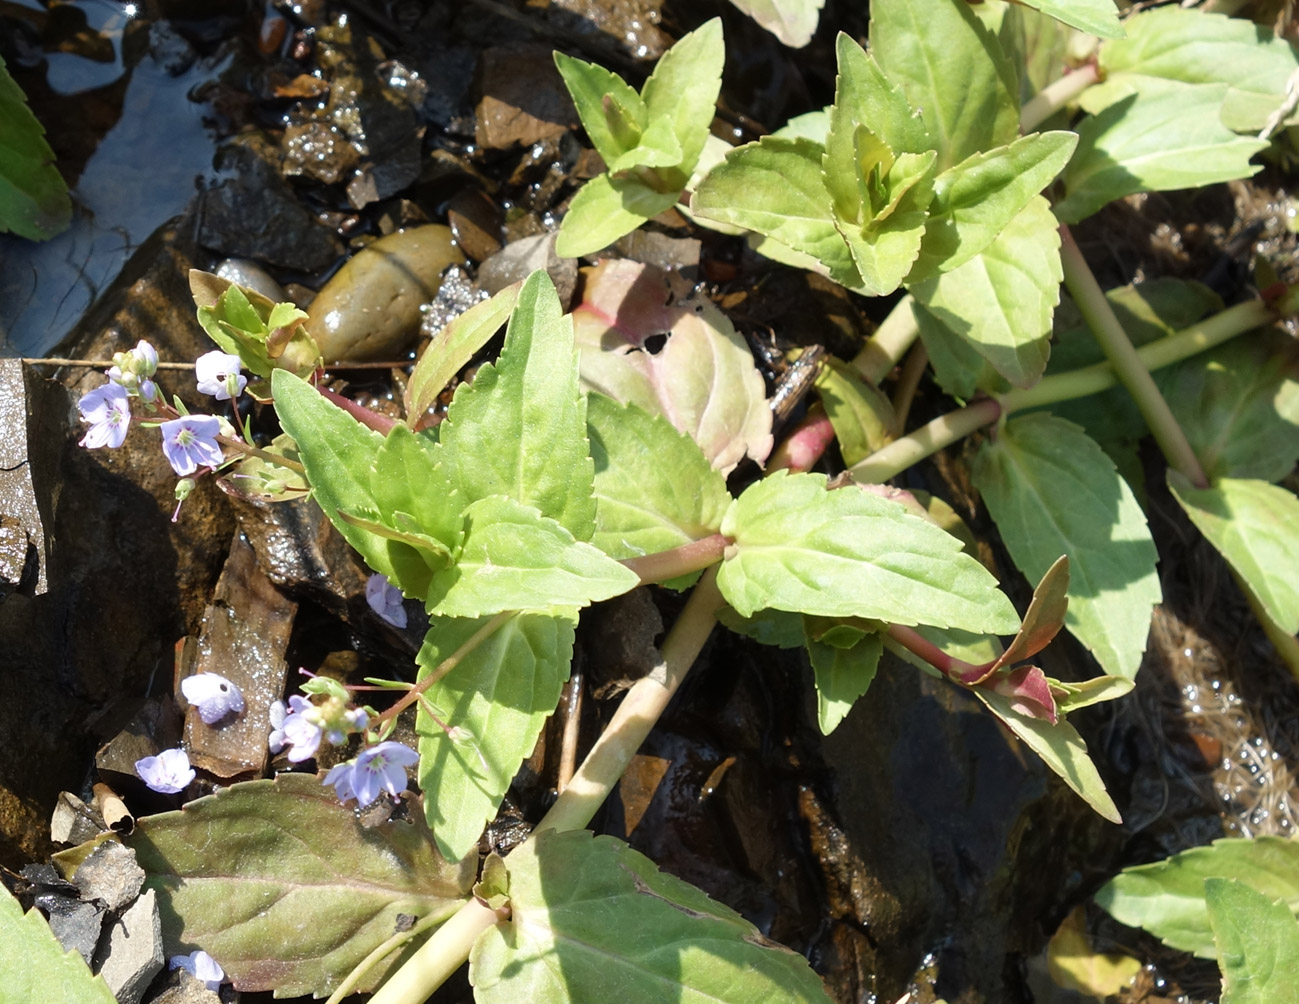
column 1099, row 315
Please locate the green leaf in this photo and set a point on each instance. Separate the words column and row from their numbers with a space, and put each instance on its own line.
column 1002, row 299
column 658, row 147
column 791, row 21
column 958, row 367
column 850, row 553
column 974, row 201
column 780, row 628
column 410, row 476
column 581, row 908
column 703, row 380
column 588, row 84
column 34, row 200
column 519, row 429
column 654, row 488
column 842, row 676
column 885, row 248
column 285, row 887
column 497, row 698
column 861, row 415
column 1239, row 406
column 1166, row 898
column 951, row 68
column 684, row 86
column 338, row 453
column 452, row 348
column 1196, row 47
column 1095, row 17
column 1052, row 491
column 1060, row 747
column 1168, row 136
column 1252, row 525
column 513, row 558
column 605, row 209
column 775, row 187
column 864, row 96
column 1257, row 941
column 266, row 336
column 35, row 967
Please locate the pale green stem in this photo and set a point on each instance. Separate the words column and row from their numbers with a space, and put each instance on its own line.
column 380, row 953
column 638, row 712
column 1099, row 315
column 645, row 702
column 947, row 429
column 943, row 431
column 693, row 557
column 1055, row 95
column 438, row 958
column 889, row 343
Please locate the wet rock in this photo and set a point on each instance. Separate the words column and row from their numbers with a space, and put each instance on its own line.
column 523, row 97
column 123, row 579
column 245, row 632
column 627, row 29
column 130, row 951
column 318, row 150
column 518, row 260
column 252, row 212
column 620, row 634
column 371, row 307
column 475, row 221
column 23, row 554
column 110, row 875
column 945, row 839
column 77, row 925
column 303, row 555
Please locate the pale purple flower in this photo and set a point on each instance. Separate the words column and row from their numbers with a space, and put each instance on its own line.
column 146, row 358
column 190, row 443
column 149, row 391
column 301, row 729
column 218, row 374
column 213, row 695
column 108, row 410
column 168, row 772
column 379, row 768
column 385, row 599
column 201, row 966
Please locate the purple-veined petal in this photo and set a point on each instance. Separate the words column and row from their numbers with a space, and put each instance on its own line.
column 190, row 443
column 169, row 772
column 108, row 410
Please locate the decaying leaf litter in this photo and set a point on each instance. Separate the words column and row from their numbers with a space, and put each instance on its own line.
column 749, row 726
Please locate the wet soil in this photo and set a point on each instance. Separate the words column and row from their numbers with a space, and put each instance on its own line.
column 917, row 849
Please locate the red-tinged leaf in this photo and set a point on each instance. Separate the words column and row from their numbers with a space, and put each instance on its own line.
column 702, row 379
column 1042, row 622
column 1029, row 693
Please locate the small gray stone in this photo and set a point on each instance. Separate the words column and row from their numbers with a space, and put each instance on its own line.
column 74, row 822
column 110, row 875
column 130, row 952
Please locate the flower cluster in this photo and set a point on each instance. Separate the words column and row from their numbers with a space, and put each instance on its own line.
column 190, row 442
column 302, row 724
